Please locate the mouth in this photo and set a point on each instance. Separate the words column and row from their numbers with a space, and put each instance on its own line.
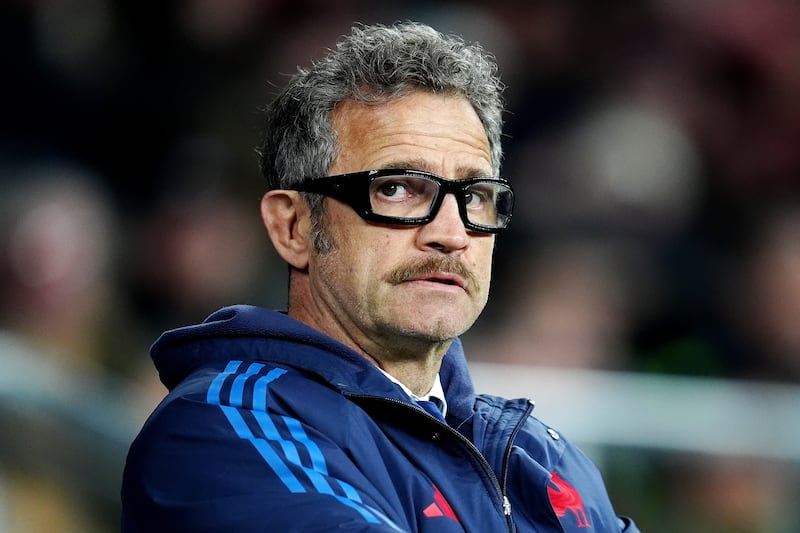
column 443, row 278
column 442, row 273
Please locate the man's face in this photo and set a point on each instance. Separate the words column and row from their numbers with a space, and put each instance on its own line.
column 387, row 288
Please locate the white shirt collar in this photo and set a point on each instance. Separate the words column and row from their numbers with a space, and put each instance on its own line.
column 436, row 391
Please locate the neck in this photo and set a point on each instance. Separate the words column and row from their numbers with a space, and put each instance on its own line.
column 418, row 376
column 414, row 361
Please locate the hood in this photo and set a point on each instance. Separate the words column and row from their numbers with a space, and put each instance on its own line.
column 249, row 333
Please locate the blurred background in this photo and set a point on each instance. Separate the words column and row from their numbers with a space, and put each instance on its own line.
column 647, row 295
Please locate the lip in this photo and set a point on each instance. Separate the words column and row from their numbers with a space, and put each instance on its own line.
column 445, row 279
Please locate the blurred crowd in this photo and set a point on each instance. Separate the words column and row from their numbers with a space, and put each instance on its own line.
column 654, row 146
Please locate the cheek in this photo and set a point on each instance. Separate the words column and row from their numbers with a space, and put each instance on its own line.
column 483, row 258
column 377, row 253
column 364, row 254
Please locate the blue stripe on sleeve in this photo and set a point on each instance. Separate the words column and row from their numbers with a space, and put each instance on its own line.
column 241, row 428
column 271, row 433
column 365, row 514
column 216, row 386
column 273, row 459
column 317, row 473
column 237, row 389
column 349, row 490
column 296, row 430
column 260, row 388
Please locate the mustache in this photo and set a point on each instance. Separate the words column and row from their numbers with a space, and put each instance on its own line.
column 428, row 266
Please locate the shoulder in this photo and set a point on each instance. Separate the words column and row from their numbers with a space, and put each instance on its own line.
column 532, row 445
column 232, row 435
column 514, row 419
column 242, row 390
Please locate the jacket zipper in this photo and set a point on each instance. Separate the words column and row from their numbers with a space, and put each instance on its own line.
column 500, row 489
column 506, row 459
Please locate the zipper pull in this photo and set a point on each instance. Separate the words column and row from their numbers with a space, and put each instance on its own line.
column 506, row 506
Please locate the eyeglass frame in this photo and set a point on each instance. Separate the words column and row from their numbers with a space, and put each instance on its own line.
column 349, row 188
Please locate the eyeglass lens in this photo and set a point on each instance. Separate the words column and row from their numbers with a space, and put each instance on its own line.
column 486, row 202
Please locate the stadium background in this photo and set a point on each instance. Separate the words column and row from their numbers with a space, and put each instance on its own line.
column 647, row 294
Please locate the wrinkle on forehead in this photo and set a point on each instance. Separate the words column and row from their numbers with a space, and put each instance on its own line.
column 461, row 171
column 437, row 133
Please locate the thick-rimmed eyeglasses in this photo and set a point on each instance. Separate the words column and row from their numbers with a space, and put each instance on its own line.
column 413, row 197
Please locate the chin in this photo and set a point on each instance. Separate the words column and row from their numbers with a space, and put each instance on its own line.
column 434, row 329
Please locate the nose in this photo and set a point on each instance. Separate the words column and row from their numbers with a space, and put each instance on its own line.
column 446, row 232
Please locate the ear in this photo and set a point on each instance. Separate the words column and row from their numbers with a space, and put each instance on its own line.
column 287, row 218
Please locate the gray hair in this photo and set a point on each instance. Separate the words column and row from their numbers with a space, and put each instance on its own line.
column 373, row 64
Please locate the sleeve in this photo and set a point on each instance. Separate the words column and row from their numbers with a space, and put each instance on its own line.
column 217, row 466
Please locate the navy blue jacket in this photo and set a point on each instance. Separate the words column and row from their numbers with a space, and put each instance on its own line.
column 272, row 426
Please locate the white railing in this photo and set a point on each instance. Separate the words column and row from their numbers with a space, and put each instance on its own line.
column 686, row 414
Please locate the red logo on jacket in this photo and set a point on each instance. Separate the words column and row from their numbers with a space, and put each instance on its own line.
column 564, row 497
column 440, row 507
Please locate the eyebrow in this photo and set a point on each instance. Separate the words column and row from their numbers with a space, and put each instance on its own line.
column 424, row 166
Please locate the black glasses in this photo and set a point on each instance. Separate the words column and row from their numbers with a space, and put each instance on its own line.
column 412, row 197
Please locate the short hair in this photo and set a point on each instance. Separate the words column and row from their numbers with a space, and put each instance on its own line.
column 373, row 64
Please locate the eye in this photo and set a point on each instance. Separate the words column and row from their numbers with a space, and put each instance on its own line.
column 402, row 188
column 476, row 197
column 392, row 189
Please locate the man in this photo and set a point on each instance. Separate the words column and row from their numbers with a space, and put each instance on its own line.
column 382, row 162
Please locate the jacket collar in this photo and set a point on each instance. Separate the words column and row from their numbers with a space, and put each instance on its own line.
column 253, row 333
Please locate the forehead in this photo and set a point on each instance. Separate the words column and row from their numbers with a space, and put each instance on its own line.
column 437, row 133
